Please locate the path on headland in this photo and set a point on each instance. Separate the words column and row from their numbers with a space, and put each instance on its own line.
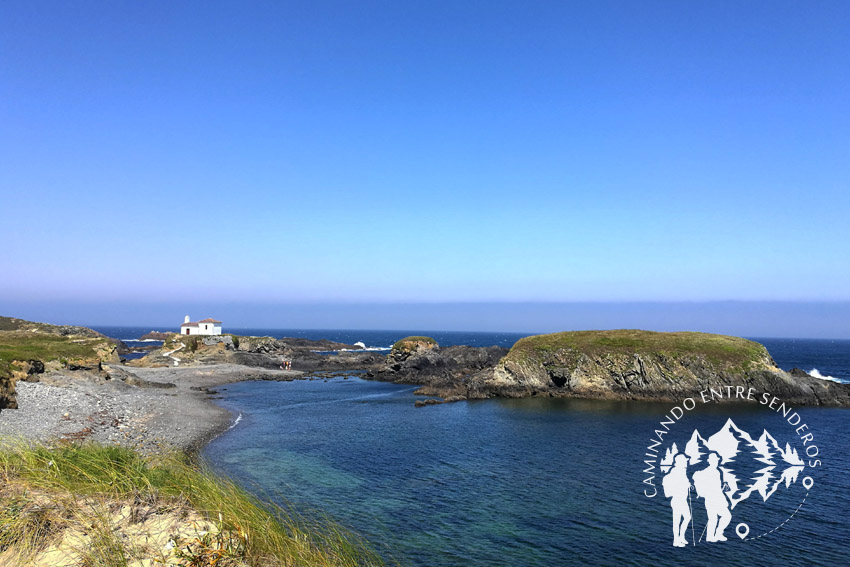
column 170, row 354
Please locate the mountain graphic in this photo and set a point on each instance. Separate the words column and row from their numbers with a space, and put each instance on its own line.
column 667, row 461
column 697, row 448
column 788, row 455
column 750, row 465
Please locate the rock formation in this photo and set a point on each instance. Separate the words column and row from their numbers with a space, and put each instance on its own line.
column 28, row 349
column 262, row 352
column 448, row 372
column 637, row 365
column 156, row 336
column 644, row 365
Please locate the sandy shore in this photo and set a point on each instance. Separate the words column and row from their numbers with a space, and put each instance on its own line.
column 147, row 409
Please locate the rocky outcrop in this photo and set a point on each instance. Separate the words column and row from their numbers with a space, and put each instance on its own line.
column 27, row 370
column 27, row 349
column 641, row 365
column 13, row 324
column 7, row 391
column 633, row 365
column 448, row 372
column 156, row 336
column 260, row 352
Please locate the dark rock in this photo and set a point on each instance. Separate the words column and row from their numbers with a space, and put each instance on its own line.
column 7, row 393
column 642, row 365
column 156, row 336
column 798, row 373
column 445, row 372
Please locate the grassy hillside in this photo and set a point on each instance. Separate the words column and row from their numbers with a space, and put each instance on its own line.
column 718, row 349
column 110, row 507
column 13, row 324
column 26, row 345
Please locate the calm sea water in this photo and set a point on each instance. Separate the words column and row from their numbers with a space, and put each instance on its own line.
column 525, row 482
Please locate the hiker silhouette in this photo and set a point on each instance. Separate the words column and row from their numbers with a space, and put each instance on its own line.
column 709, row 484
column 677, row 488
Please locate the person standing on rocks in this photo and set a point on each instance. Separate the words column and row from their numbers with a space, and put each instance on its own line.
column 677, row 487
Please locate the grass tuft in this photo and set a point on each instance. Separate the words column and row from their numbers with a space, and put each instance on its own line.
column 49, row 493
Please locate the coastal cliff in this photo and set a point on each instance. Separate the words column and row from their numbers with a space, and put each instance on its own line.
column 27, row 349
column 449, row 372
column 643, row 365
column 621, row 364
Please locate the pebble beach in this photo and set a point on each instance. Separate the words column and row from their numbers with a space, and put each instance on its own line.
column 147, row 409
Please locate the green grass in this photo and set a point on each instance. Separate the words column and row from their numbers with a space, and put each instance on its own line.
column 719, row 349
column 252, row 532
column 18, row 345
column 408, row 342
column 22, row 345
column 13, row 324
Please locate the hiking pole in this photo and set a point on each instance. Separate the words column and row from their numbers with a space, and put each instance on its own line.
column 691, row 509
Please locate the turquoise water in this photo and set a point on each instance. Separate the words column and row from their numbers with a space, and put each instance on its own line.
column 513, row 482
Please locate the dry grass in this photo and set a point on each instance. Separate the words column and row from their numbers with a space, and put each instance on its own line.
column 106, row 506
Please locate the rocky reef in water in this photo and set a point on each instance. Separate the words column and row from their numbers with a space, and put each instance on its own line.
column 622, row 364
column 260, row 352
column 449, row 372
column 156, row 335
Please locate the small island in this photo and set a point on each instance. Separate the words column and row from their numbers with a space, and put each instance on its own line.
column 616, row 364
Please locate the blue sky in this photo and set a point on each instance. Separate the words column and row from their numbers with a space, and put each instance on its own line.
column 420, row 152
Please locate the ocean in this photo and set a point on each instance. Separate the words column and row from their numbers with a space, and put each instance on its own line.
column 535, row 482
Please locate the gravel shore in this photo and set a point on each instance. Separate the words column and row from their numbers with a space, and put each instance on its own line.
column 147, row 409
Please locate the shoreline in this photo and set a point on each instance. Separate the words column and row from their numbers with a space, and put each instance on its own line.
column 150, row 410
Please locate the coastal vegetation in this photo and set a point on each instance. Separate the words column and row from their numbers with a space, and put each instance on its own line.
column 27, row 347
column 409, row 344
column 723, row 350
column 92, row 505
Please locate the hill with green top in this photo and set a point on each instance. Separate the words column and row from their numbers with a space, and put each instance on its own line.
column 645, row 365
column 722, row 350
column 27, row 347
column 410, row 344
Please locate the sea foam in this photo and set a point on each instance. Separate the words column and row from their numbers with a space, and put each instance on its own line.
column 816, row 374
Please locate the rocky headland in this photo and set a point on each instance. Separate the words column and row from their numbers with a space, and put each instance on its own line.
column 621, row 364
column 270, row 353
column 448, row 372
column 28, row 349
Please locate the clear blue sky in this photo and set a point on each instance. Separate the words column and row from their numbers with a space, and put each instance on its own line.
column 351, row 152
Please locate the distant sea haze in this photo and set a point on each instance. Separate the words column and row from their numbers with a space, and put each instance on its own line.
column 784, row 319
column 828, row 359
